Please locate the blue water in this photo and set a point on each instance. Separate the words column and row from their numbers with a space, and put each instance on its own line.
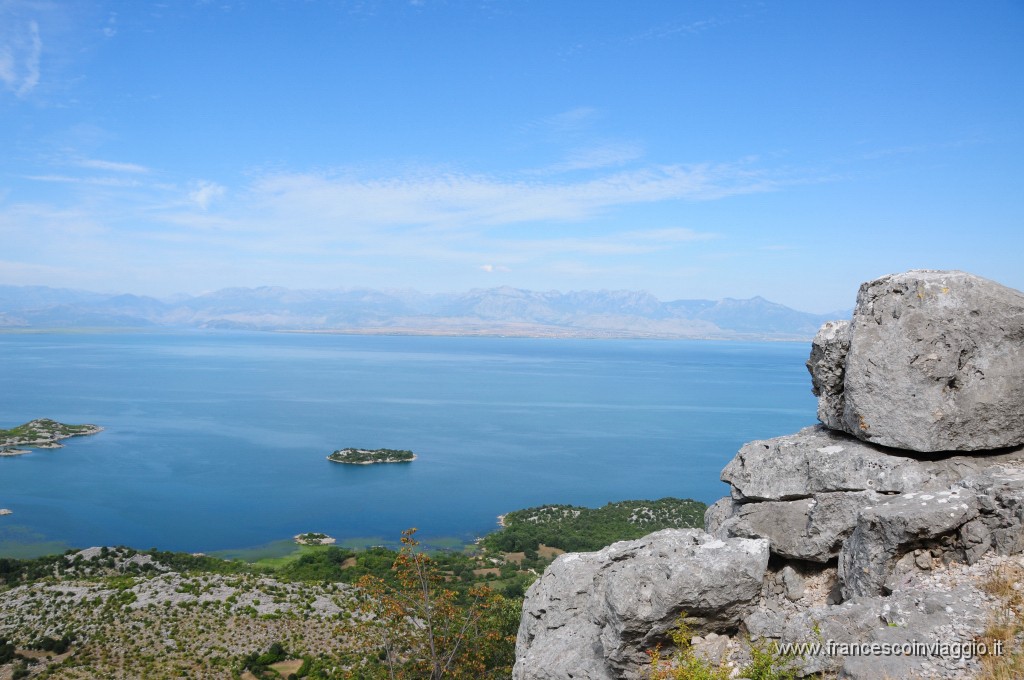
column 217, row 441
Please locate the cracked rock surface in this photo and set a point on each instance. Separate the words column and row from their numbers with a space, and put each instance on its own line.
column 931, row 361
column 592, row 615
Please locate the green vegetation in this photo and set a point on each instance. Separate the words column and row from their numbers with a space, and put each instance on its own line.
column 575, row 528
column 7, row 652
column 367, row 456
column 766, row 663
column 49, row 644
column 259, row 664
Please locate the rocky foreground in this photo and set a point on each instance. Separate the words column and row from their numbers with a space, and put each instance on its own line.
column 891, row 535
column 131, row 616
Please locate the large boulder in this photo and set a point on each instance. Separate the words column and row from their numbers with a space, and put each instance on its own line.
column 944, row 607
column 818, row 495
column 982, row 514
column 811, row 529
column 932, row 361
column 818, row 460
column 893, row 529
column 593, row 615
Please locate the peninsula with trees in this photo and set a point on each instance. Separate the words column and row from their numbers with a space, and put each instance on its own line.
column 354, row 456
column 41, row 433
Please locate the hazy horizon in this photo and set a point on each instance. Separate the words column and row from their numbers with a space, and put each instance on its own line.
column 703, row 150
column 174, row 297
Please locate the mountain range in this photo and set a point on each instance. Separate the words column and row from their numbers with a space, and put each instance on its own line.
column 503, row 311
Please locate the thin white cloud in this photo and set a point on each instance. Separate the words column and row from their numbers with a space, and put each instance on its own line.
column 916, row 149
column 438, row 223
column 204, row 193
column 674, row 29
column 32, row 61
column 110, row 30
column 96, row 181
column 620, row 243
column 597, row 157
column 567, row 122
column 111, row 166
column 679, row 28
column 16, row 273
column 20, row 57
column 7, row 72
column 455, row 201
column 572, row 117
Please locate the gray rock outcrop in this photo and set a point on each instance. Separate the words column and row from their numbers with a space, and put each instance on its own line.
column 817, row 460
column 811, row 529
column 941, row 607
column 932, row 361
column 914, row 479
column 592, row 615
column 889, row 531
column 827, row 365
column 808, row 492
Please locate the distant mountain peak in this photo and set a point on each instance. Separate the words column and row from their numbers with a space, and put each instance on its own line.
column 502, row 310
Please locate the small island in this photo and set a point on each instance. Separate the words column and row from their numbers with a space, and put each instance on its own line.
column 314, row 538
column 371, row 456
column 41, row 433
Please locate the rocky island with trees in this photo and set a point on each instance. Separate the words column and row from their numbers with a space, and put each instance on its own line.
column 355, row 456
column 41, row 433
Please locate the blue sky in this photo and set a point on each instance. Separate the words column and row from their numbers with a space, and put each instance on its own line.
column 693, row 149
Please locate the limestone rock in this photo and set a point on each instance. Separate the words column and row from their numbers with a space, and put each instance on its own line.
column 818, row 460
column 819, row 494
column 935, row 362
column 921, row 613
column 1000, row 524
column 888, row 531
column 810, row 529
column 856, row 513
column 828, row 370
column 717, row 513
column 592, row 615
column 984, row 513
column 793, row 583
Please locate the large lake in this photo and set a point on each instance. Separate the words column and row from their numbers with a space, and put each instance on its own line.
column 217, row 441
